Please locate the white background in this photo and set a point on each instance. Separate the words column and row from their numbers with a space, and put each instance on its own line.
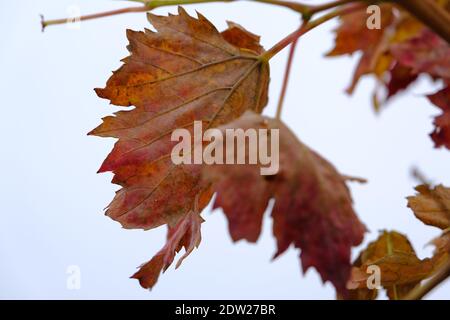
column 52, row 200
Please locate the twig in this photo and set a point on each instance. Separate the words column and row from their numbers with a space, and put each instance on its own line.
column 330, row 5
column 420, row 291
column 147, row 5
column 286, row 79
column 46, row 23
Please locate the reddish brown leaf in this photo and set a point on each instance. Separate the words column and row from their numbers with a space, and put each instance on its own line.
column 312, row 210
column 353, row 35
column 242, row 38
column 396, row 55
column 357, row 292
column 441, row 135
column 432, row 206
column 185, row 234
column 185, row 71
column 427, row 53
column 442, row 252
column 400, row 269
column 401, row 77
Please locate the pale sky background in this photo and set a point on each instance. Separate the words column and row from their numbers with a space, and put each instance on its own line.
column 52, row 200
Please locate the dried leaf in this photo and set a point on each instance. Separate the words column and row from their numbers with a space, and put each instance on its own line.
column 185, row 71
column 442, row 252
column 400, row 269
column 242, row 38
column 356, row 293
column 396, row 55
column 432, row 206
column 425, row 53
column 353, row 35
column 441, row 134
column 185, row 234
column 312, row 209
column 401, row 77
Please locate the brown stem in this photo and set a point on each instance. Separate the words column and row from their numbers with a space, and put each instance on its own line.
column 430, row 13
column 286, row 79
column 46, row 23
column 304, row 9
column 420, row 291
column 152, row 4
column 299, row 7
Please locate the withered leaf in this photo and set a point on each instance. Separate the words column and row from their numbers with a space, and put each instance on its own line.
column 312, row 205
column 185, row 234
column 424, row 53
column 442, row 252
column 441, row 134
column 432, row 205
column 353, row 35
column 400, row 269
column 396, row 55
column 185, row 71
column 401, row 77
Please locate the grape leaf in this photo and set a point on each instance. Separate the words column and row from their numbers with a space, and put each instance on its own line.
column 312, row 204
column 355, row 292
column 442, row 252
column 401, row 77
column 185, row 71
column 427, row 53
column 396, row 55
column 424, row 53
column 185, row 234
column 400, row 268
column 432, row 206
column 441, row 134
column 353, row 35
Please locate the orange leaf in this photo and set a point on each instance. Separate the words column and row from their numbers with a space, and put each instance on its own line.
column 400, row 269
column 432, row 206
column 185, row 71
column 185, row 234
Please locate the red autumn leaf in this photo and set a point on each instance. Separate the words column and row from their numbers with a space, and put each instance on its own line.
column 425, row 53
column 401, row 77
column 441, row 135
column 185, row 234
column 428, row 53
column 185, row 71
column 353, row 35
column 396, row 55
column 312, row 209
